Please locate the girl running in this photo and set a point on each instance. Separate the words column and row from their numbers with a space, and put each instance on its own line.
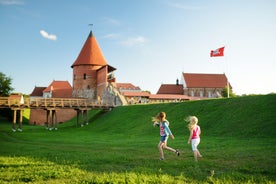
column 165, row 132
column 194, row 137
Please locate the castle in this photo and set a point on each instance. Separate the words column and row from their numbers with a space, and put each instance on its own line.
column 94, row 79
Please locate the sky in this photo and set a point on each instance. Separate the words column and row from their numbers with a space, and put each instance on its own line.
column 149, row 42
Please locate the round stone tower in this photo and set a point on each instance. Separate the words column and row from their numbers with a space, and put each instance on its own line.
column 92, row 76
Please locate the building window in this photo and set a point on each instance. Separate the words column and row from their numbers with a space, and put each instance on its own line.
column 84, row 76
column 201, row 93
column 88, row 87
column 192, row 93
column 209, row 94
column 74, row 76
column 110, row 76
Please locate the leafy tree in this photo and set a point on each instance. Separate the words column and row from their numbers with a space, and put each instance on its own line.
column 224, row 92
column 5, row 85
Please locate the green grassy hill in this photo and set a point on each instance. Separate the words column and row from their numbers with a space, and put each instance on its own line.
column 251, row 116
column 120, row 146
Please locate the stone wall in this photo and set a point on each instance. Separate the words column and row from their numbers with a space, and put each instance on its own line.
column 111, row 96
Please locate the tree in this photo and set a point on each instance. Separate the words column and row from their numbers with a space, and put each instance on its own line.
column 224, row 92
column 5, row 85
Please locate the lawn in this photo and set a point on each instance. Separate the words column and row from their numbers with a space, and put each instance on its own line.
column 120, row 146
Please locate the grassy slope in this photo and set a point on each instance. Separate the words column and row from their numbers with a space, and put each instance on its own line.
column 244, row 117
column 238, row 141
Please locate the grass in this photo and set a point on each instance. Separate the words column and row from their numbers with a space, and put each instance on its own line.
column 237, row 142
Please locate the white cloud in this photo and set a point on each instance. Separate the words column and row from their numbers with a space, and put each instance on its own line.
column 48, row 36
column 139, row 40
column 111, row 36
column 111, row 21
column 11, row 2
column 182, row 6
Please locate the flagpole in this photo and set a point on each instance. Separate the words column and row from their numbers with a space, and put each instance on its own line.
column 220, row 52
column 228, row 89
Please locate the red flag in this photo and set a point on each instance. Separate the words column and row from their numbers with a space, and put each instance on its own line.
column 218, row 52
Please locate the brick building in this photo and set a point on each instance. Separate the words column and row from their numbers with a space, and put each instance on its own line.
column 93, row 78
column 197, row 86
column 204, row 85
column 57, row 89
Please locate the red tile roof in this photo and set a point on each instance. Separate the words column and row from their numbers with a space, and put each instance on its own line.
column 140, row 94
column 58, row 85
column 15, row 96
column 171, row 89
column 127, row 86
column 60, row 89
column 62, row 93
column 38, row 91
column 193, row 80
column 90, row 53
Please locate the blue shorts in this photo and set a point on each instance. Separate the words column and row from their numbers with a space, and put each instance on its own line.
column 164, row 138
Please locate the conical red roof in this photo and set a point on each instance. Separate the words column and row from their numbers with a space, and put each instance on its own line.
column 90, row 53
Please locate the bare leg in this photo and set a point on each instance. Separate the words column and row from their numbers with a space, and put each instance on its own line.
column 170, row 149
column 160, row 148
column 197, row 155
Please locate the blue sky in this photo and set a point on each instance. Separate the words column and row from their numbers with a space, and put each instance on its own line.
column 150, row 42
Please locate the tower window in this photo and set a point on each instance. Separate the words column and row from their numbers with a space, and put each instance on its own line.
column 84, row 76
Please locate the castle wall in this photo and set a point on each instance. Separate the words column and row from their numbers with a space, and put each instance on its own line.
column 38, row 116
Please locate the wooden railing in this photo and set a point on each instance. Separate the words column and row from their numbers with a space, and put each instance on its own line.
column 36, row 103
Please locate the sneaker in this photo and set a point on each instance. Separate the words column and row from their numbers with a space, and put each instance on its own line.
column 19, row 129
column 13, row 130
column 161, row 158
column 177, row 152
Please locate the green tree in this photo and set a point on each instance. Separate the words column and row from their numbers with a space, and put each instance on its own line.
column 5, row 85
column 224, row 92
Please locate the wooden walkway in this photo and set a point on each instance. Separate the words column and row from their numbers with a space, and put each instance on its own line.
column 51, row 105
column 42, row 103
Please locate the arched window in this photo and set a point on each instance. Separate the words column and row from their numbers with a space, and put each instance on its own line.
column 84, row 76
